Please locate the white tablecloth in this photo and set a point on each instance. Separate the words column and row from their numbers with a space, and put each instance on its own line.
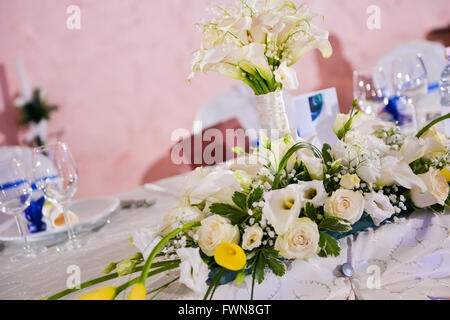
column 410, row 258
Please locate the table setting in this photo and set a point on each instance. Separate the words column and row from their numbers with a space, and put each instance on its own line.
column 321, row 205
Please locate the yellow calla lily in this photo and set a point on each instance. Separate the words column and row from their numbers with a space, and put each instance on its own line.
column 446, row 173
column 138, row 292
column 104, row 293
column 230, row 256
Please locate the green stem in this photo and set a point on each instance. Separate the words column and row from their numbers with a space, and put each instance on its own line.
column 261, row 82
column 151, row 273
column 160, row 289
column 432, row 123
column 160, row 245
column 251, row 85
column 103, row 279
column 214, row 283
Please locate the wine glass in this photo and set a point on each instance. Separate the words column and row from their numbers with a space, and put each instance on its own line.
column 15, row 197
column 410, row 79
column 367, row 88
column 55, row 174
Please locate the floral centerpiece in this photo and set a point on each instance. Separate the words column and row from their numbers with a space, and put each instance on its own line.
column 257, row 42
column 287, row 200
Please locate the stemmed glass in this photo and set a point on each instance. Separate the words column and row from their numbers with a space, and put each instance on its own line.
column 369, row 92
column 410, row 79
column 55, row 174
column 15, row 197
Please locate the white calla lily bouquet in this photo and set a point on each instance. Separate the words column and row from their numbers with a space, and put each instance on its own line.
column 257, row 42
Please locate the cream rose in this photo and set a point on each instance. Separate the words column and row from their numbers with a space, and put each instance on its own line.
column 301, row 241
column 213, row 231
column 252, row 238
column 437, row 190
column 345, row 204
column 349, row 181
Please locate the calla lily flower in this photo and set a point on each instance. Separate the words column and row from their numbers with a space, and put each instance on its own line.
column 304, row 42
column 394, row 170
column 230, row 256
column 287, row 76
column 138, row 292
column 103, row 293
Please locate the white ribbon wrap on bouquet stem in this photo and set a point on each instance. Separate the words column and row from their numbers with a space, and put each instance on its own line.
column 272, row 112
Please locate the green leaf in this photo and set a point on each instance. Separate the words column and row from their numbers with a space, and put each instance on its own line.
column 235, row 215
column 419, row 166
column 240, row 200
column 328, row 246
column 200, row 205
column 437, row 208
column 277, row 267
column 284, row 161
column 255, row 196
column 335, row 224
column 260, row 267
column 326, row 154
column 310, row 211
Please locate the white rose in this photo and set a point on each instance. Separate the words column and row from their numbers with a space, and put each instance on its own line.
column 193, row 270
column 313, row 164
column 345, row 204
column 179, row 216
column 349, row 181
column 378, row 206
column 252, row 238
column 341, row 120
column 300, row 241
column 213, row 231
column 314, row 192
column 437, row 190
column 283, row 206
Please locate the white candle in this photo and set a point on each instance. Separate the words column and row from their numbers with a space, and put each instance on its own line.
column 24, row 86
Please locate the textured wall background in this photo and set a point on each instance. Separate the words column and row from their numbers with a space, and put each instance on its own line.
column 121, row 84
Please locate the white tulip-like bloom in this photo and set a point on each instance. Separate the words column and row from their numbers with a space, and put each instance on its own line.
column 313, row 164
column 193, row 270
column 300, row 241
column 216, row 184
column 436, row 192
column 213, row 231
column 146, row 240
column 282, row 207
column 314, row 192
column 345, row 204
column 179, row 216
column 287, row 76
column 349, row 181
column 378, row 207
column 252, row 238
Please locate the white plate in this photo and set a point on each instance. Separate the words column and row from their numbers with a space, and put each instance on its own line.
column 93, row 213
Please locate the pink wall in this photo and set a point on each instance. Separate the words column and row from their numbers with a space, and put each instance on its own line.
column 120, row 81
